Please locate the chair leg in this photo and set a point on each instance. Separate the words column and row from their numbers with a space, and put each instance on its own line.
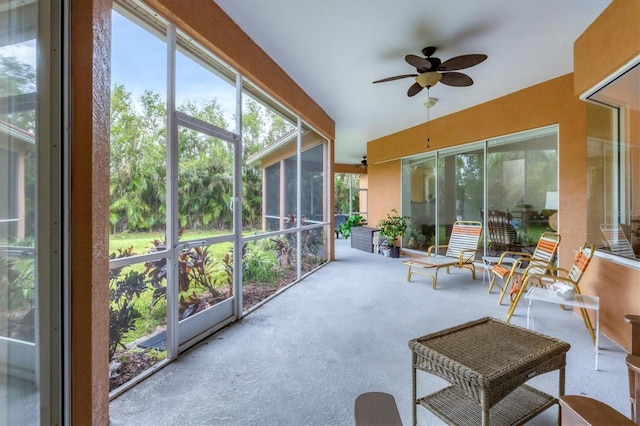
column 493, row 282
column 503, row 291
column 409, row 275
column 514, row 302
column 435, row 277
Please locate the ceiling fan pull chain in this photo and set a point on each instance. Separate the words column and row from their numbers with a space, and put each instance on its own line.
column 428, row 124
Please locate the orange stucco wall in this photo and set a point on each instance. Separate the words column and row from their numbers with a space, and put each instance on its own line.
column 613, row 38
column 545, row 104
column 615, row 35
column 90, row 120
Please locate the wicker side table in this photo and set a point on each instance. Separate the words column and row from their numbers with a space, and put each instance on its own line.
column 487, row 362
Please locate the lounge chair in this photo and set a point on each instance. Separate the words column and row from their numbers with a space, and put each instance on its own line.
column 514, row 274
column 460, row 252
column 570, row 277
column 617, row 241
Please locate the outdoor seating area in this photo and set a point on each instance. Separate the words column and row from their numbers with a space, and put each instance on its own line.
column 460, row 252
column 357, row 322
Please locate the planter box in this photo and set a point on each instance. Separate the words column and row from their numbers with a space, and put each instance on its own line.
column 362, row 238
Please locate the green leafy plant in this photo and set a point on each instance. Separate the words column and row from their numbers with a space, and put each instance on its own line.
column 351, row 222
column 124, row 289
column 259, row 265
column 394, row 226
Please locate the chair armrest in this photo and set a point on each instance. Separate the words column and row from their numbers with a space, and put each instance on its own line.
column 582, row 410
column 633, row 362
column 511, row 253
column 553, row 278
column 437, row 247
column 470, row 254
column 556, row 269
column 634, row 320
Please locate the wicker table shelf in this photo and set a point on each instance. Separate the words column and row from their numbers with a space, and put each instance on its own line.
column 487, row 362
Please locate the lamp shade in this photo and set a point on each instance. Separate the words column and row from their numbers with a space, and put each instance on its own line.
column 428, row 79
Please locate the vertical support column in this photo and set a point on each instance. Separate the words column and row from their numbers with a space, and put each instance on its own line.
column 89, row 260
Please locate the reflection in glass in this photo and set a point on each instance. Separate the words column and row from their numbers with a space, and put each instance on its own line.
column 613, row 160
column 521, row 187
column 522, row 176
column 460, row 187
column 420, row 201
column 19, row 395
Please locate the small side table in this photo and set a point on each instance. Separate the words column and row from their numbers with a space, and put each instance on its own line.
column 578, row 301
column 487, row 362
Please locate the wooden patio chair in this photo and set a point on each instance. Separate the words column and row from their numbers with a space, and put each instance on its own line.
column 460, row 252
column 582, row 410
column 514, row 274
column 570, row 277
column 617, row 241
column 502, row 233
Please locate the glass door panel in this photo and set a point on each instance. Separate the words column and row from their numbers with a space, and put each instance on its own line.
column 205, row 234
column 460, row 192
column 20, row 145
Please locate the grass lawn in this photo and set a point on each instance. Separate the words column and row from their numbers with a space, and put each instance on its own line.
column 142, row 241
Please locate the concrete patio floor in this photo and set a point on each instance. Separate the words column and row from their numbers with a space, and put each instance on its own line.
column 304, row 357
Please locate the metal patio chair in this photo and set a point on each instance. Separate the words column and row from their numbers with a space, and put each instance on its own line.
column 460, row 252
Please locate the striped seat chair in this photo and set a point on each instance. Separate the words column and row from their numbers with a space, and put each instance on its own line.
column 513, row 275
column 617, row 241
column 460, row 252
column 570, row 277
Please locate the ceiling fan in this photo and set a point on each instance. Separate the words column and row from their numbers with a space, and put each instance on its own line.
column 363, row 162
column 432, row 70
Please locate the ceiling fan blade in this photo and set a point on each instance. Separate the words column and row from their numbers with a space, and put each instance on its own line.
column 397, row 77
column 418, row 62
column 456, row 79
column 461, row 62
column 414, row 89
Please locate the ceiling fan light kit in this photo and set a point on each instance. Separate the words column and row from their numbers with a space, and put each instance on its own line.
column 428, row 79
column 432, row 70
column 429, row 102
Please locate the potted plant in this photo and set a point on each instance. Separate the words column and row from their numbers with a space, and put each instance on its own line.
column 392, row 227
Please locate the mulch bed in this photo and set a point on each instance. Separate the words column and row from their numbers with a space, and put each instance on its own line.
column 137, row 361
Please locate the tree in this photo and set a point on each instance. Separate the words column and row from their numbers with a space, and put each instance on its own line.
column 18, row 78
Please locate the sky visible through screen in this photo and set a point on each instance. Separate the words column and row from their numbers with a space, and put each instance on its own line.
column 139, row 62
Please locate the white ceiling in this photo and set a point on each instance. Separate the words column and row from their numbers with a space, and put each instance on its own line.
column 335, row 49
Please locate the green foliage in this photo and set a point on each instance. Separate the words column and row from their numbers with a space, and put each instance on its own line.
column 124, row 289
column 259, row 265
column 352, row 221
column 17, row 78
column 394, row 226
column 138, row 159
column 346, row 189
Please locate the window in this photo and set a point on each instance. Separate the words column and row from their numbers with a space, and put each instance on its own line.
column 613, row 165
column 514, row 177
